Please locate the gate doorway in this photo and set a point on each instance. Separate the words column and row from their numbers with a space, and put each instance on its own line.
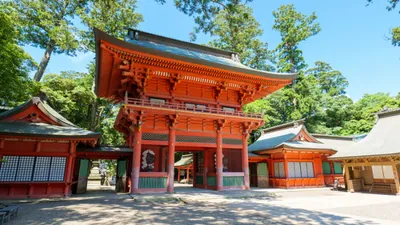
column 103, row 168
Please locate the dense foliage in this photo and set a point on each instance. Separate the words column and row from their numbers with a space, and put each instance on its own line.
column 318, row 95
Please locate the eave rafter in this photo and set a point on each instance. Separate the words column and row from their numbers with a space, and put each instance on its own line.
column 146, row 59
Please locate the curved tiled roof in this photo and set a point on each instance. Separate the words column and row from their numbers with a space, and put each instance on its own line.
column 43, row 129
column 44, row 107
column 185, row 160
column 382, row 140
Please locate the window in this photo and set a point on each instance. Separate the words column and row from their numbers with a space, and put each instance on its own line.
column 300, row 169
column 382, row 172
column 228, row 109
column 279, row 170
column 159, row 101
column 337, row 168
column 197, row 107
column 326, row 167
column 30, row 168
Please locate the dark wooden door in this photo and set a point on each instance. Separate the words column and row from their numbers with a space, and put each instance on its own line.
column 253, row 175
column 82, row 176
column 120, row 185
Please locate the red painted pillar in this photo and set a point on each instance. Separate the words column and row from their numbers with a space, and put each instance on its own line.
column 205, row 168
column 137, row 152
column 245, row 162
column 285, row 164
column 171, row 160
column 219, row 161
column 69, row 169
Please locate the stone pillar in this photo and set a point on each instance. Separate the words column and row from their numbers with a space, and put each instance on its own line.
column 137, row 152
column 245, row 162
column 219, row 175
column 171, row 160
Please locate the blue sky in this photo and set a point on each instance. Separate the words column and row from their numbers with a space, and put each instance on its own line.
column 352, row 39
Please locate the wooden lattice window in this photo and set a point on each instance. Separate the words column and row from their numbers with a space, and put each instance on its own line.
column 326, row 167
column 31, row 168
column 300, row 169
column 279, row 170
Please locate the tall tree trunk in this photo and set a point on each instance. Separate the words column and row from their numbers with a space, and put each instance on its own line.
column 45, row 60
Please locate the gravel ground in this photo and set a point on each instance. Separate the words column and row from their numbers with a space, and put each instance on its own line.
column 301, row 207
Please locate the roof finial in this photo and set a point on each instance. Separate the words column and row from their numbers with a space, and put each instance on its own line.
column 295, row 124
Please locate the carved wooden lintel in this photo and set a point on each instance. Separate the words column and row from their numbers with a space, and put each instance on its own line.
column 220, row 124
column 174, row 80
column 219, row 88
column 173, row 121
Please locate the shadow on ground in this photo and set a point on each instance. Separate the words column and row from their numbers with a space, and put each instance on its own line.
column 128, row 211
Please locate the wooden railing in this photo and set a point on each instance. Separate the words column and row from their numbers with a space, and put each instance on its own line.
column 176, row 106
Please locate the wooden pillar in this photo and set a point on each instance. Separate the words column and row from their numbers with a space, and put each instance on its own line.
column 187, row 175
column 179, row 175
column 219, row 175
column 171, row 160
column 285, row 166
column 194, row 168
column 347, row 176
column 137, row 152
column 205, row 168
column 396, row 178
column 245, row 162
column 69, row 169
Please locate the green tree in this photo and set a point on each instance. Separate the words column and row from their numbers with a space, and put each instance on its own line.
column 205, row 11
column 52, row 24
column 112, row 17
column 395, row 33
column 294, row 27
column 363, row 118
column 330, row 81
column 15, row 63
column 70, row 93
column 48, row 25
column 302, row 99
column 237, row 30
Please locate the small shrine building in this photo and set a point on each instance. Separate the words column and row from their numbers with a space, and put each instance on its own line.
column 185, row 165
column 38, row 151
column 180, row 96
column 288, row 156
column 373, row 163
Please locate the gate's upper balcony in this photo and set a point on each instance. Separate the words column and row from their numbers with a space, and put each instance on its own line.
column 200, row 110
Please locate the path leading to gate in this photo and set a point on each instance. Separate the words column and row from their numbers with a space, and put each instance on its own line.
column 188, row 206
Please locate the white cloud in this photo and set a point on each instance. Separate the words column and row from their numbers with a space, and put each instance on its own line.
column 81, row 57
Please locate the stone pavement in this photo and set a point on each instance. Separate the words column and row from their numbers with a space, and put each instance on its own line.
column 266, row 206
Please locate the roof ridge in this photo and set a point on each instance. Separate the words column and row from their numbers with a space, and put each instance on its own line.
column 135, row 34
column 285, row 125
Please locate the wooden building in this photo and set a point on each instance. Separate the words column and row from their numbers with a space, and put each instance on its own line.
column 373, row 163
column 38, row 151
column 287, row 156
column 185, row 165
column 179, row 96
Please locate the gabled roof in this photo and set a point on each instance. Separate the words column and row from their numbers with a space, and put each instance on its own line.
column 284, row 135
column 191, row 52
column 383, row 139
column 54, row 125
column 43, row 107
column 185, row 160
column 43, row 129
column 156, row 45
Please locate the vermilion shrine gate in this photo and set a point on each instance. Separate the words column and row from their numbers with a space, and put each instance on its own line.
column 179, row 96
